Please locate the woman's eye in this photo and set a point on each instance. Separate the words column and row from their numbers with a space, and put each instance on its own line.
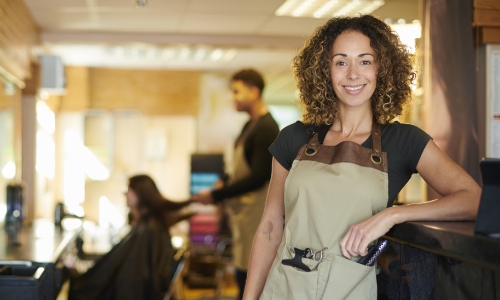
column 366, row 62
column 340, row 63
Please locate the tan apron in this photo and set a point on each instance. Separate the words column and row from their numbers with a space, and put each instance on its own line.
column 328, row 189
column 245, row 212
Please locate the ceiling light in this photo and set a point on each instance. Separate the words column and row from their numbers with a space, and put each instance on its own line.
column 151, row 53
column 184, row 54
column 167, row 53
column 324, row 9
column 141, row 3
column 200, row 54
column 229, row 55
column 135, row 53
column 216, row 54
column 143, row 55
column 327, row 8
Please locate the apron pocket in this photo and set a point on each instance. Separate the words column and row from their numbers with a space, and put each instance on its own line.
column 292, row 283
column 350, row 280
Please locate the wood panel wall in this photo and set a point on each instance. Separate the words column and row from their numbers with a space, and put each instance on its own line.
column 18, row 33
column 158, row 92
column 6, row 100
column 486, row 21
column 153, row 92
column 77, row 89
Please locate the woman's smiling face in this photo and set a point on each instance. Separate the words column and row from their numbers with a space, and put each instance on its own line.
column 353, row 70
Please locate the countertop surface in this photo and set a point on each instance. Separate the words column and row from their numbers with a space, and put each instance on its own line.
column 452, row 239
column 41, row 241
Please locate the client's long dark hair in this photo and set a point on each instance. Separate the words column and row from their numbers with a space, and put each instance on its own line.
column 151, row 202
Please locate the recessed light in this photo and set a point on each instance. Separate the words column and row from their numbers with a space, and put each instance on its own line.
column 141, row 3
column 327, row 8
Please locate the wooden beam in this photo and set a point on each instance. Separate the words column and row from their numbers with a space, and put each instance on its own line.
column 149, row 91
column 18, row 33
column 490, row 35
column 33, row 82
column 487, row 4
column 486, row 17
column 12, row 71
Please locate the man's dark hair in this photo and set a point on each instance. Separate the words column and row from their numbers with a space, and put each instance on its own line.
column 250, row 77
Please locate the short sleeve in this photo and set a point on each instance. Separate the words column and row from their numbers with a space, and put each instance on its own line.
column 413, row 142
column 284, row 149
column 404, row 144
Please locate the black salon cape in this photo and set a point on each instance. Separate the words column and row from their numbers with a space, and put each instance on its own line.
column 139, row 267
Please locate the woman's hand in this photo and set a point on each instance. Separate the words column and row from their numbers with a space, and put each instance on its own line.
column 360, row 235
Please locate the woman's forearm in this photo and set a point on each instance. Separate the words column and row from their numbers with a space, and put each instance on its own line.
column 461, row 206
column 268, row 236
column 266, row 242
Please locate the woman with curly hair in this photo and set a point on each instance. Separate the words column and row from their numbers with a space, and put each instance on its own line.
column 337, row 172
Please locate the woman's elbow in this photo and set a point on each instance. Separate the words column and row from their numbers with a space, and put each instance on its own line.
column 474, row 197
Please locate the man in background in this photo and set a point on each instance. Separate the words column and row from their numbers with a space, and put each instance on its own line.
column 252, row 161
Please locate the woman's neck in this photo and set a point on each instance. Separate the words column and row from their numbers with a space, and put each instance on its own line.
column 136, row 215
column 353, row 121
column 352, row 125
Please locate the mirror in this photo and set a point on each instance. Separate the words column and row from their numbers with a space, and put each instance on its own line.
column 7, row 156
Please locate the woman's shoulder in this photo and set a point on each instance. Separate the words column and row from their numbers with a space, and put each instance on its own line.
column 288, row 143
column 397, row 124
column 406, row 139
column 295, row 134
column 296, row 129
column 402, row 129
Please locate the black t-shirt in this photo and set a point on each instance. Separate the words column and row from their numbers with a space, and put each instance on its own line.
column 257, row 156
column 404, row 144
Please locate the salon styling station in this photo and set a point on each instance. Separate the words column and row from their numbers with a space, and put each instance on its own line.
column 439, row 260
column 32, row 259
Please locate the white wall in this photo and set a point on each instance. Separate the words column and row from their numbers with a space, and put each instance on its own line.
column 219, row 124
column 159, row 146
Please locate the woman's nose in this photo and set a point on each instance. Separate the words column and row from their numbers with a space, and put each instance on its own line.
column 352, row 72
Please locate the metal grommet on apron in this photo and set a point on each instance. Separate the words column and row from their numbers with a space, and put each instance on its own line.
column 328, row 189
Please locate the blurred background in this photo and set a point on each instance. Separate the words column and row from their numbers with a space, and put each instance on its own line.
column 124, row 87
column 95, row 91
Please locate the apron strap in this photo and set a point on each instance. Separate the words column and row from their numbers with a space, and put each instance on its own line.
column 320, row 133
column 376, row 139
column 376, row 143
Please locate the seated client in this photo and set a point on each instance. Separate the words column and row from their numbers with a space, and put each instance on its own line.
column 139, row 266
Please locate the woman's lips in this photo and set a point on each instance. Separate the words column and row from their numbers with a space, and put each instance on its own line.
column 354, row 89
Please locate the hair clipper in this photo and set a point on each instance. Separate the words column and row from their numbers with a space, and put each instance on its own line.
column 374, row 252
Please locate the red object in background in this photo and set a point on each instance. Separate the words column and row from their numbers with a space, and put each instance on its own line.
column 203, row 228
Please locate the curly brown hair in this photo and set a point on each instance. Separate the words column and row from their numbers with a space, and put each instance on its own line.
column 311, row 68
